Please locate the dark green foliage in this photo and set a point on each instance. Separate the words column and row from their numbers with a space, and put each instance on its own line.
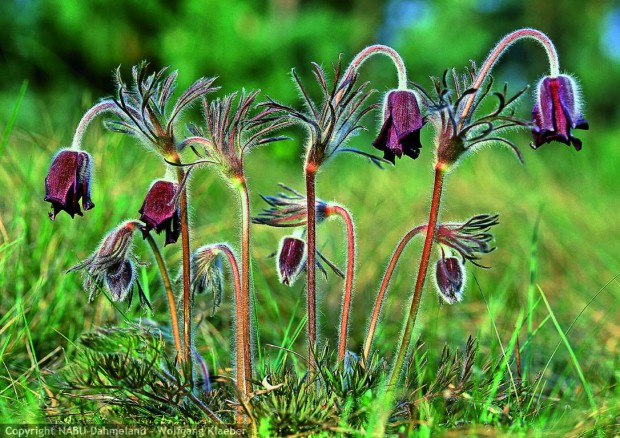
column 126, row 373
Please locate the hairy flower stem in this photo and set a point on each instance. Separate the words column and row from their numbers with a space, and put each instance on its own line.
column 245, row 281
column 379, row 49
column 407, row 333
column 187, row 298
column 311, row 170
column 498, row 51
column 348, row 288
column 378, row 304
column 163, row 270
column 240, row 342
column 100, row 108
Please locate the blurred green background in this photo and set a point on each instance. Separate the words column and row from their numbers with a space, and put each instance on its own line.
column 63, row 52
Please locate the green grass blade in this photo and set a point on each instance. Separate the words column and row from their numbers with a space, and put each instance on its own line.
column 566, row 342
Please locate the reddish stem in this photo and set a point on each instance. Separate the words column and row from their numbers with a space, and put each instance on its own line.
column 311, row 170
column 348, row 288
column 174, row 322
column 187, row 299
column 417, row 293
column 378, row 305
column 240, row 343
column 245, row 282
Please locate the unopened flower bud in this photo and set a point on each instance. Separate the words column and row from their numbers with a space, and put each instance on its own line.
column 450, row 279
column 291, row 259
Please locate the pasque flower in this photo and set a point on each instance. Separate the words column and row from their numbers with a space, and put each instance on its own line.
column 68, row 182
column 468, row 239
column 450, row 279
column 557, row 111
column 291, row 259
column 402, row 121
column 160, row 211
column 111, row 266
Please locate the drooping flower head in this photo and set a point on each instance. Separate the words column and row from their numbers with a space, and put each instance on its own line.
column 68, row 182
column 450, row 279
column 111, row 267
column 402, row 122
column 291, row 259
column 160, row 210
column 557, row 111
column 208, row 272
column 469, row 239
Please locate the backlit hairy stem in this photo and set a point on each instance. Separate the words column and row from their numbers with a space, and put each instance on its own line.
column 245, row 281
column 174, row 322
column 378, row 305
column 100, row 108
column 348, row 288
column 379, row 49
column 187, row 298
column 407, row 333
column 239, row 336
column 311, row 170
column 499, row 50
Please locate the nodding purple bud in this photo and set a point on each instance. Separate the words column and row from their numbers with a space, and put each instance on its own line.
column 160, row 212
column 402, row 122
column 291, row 259
column 557, row 111
column 111, row 266
column 68, row 181
column 450, row 279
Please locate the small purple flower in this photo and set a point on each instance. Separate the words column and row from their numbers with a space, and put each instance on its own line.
column 400, row 133
column 160, row 211
column 291, row 259
column 68, row 181
column 450, row 279
column 556, row 112
column 111, row 267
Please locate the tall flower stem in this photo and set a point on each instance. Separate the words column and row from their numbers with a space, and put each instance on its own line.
column 239, row 336
column 187, row 298
column 163, row 270
column 417, row 293
column 100, row 108
column 311, row 170
column 499, row 50
column 348, row 288
column 379, row 49
column 245, row 280
column 380, row 299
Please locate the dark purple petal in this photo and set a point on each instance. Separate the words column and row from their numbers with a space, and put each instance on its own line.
column 556, row 113
column 119, row 280
column 160, row 212
column 400, row 132
column 449, row 277
column 291, row 259
column 68, row 182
